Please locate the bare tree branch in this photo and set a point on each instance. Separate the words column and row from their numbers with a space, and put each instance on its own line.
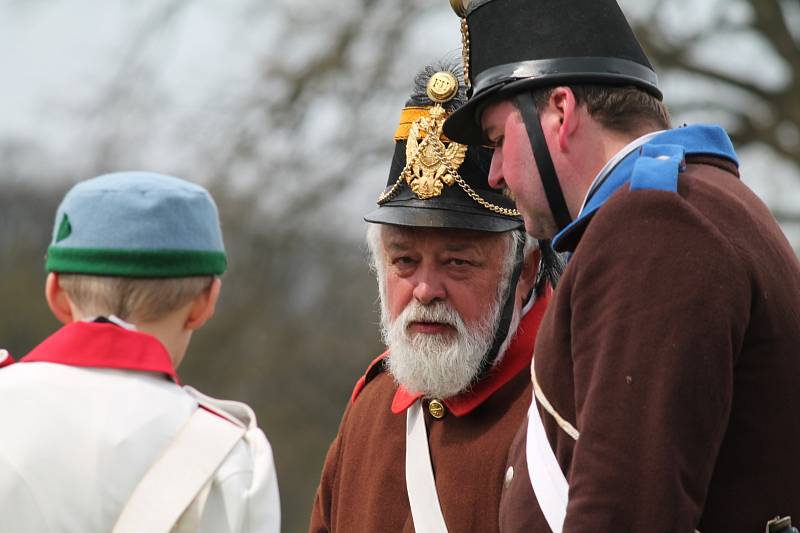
column 677, row 58
column 770, row 22
column 783, row 103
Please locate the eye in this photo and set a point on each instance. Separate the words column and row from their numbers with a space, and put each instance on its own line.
column 498, row 142
column 404, row 264
column 458, row 262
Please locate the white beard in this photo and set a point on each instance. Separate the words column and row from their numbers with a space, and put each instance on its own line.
column 437, row 365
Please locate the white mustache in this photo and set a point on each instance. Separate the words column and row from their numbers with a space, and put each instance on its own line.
column 438, row 312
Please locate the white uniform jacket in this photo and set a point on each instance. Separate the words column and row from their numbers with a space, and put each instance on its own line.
column 85, row 415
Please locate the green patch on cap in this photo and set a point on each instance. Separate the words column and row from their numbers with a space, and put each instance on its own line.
column 64, row 229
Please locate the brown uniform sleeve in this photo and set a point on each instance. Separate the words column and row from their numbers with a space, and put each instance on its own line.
column 321, row 519
column 660, row 305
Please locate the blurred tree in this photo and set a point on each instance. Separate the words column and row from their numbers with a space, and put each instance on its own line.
column 27, row 215
column 740, row 63
column 312, row 120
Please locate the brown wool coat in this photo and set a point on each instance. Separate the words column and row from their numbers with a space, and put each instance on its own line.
column 363, row 486
column 673, row 345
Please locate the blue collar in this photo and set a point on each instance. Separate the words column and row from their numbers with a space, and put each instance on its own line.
column 654, row 165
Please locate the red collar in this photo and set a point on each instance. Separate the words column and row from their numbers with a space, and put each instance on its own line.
column 517, row 356
column 5, row 358
column 103, row 345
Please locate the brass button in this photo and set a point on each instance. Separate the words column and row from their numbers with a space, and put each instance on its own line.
column 436, row 409
column 509, row 477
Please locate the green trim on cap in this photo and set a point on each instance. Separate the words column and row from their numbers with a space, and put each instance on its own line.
column 135, row 263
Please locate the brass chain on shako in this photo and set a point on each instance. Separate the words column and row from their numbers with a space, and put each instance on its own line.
column 405, row 175
column 465, row 50
column 469, row 190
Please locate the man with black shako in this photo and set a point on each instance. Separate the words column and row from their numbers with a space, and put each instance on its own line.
column 667, row 367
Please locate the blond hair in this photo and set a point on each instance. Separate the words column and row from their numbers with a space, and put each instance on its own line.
column 132, row 299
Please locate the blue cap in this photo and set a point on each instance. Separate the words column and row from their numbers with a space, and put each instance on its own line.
column 137, row 224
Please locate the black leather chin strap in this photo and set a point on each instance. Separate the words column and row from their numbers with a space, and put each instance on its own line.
column 507, row 313
column 547, row 172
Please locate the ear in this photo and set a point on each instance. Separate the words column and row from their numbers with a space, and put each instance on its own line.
column 527, row 278
column 58, row 299
column 203, row 306
column 562, row 101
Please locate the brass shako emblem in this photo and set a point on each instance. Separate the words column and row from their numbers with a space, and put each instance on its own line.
column 430, row 165
column 432, row 161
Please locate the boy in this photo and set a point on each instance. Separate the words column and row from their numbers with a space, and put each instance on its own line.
column 97, row 434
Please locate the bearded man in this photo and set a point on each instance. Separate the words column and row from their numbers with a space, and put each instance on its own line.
column 424, row 440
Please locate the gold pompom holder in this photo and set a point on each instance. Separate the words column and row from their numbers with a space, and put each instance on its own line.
column 442, row 87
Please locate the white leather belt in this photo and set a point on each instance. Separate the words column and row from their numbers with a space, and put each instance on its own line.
column 548, row 481
column 420, row 484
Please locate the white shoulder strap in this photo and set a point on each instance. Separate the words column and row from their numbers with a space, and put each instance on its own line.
column 420, row 484
column 180, row 474
column 548, row 481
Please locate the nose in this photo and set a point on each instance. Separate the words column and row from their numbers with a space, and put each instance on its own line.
column 429, row 287
column 495, row 179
